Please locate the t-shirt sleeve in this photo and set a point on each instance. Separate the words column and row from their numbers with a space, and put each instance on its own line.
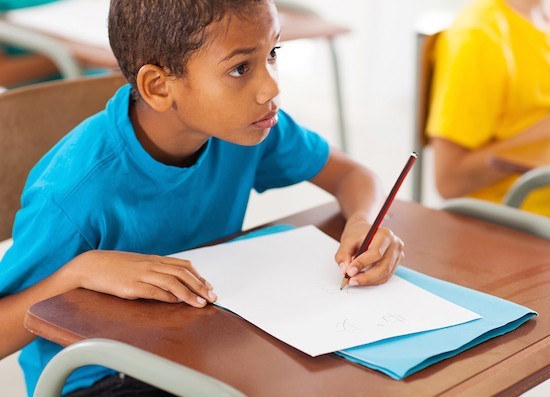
column 468, row 87
column 291, row 154
column 44, row 239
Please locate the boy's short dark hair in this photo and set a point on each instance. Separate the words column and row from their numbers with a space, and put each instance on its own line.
column 164, row 32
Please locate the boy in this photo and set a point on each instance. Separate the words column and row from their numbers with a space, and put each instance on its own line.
column 169, row 165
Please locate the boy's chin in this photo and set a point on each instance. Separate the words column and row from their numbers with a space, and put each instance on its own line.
column 255, row 138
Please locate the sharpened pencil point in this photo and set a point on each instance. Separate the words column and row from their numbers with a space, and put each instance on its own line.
column 344, row 282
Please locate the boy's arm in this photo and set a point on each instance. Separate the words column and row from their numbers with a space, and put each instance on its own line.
column 13, row 335
column 123, row 274
column 45, row 261
column 460, row 171
column 360, row 197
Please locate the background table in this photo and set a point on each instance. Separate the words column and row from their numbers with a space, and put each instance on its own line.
column 489, row 258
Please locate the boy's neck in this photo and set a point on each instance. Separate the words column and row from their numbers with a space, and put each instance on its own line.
column 157, row 136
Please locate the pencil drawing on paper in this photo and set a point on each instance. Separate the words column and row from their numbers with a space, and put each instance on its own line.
column 347, row 326
column 389, row 319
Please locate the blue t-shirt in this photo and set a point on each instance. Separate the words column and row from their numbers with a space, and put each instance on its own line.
column 99, row 189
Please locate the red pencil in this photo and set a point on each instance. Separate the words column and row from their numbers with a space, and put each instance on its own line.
column 380, row 217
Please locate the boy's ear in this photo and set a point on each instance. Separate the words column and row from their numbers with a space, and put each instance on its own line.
column 152, row 83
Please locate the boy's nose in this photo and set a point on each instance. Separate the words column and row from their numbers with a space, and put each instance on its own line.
column 268, row 86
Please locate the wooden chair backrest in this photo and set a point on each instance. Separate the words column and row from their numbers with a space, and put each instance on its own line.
column 32, row 120
column 425, row 45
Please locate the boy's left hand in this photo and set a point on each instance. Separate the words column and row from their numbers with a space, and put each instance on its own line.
column 378, row 263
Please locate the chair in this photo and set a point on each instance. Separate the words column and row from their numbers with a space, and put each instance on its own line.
column 499, row 214
column 150, row 368
column 32, row 120
column 60, row 55
column 528, row 182
column 428, row 28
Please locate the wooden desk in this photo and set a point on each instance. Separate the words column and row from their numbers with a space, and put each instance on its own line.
column 524, row 158
column 485, row 257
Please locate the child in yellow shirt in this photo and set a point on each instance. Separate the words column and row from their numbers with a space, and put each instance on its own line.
column 491, row 90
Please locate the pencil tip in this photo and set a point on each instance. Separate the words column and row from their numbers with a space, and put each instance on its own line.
column 344, row 282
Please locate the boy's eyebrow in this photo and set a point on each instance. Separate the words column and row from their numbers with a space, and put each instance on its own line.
column 244, row 51
column 239, row 51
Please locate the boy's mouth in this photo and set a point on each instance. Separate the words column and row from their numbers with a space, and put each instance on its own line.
column 267, row 121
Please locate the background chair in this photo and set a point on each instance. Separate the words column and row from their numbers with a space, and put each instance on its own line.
column 499, row 214
column 59, row 54
column 152, row 369
column 32, row 120
column 528, row 182
column 428, row 27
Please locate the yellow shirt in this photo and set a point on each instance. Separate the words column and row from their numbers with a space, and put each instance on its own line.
column 491, row 82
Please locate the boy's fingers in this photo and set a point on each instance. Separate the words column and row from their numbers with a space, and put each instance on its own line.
column 378, row 263
column 375, row 275
column 184, row 285
column 188, row 266
column 374, row 254
column 378, row 273
column 141, row 290
column 342, row 256
column 157, row 293
column 382, row 240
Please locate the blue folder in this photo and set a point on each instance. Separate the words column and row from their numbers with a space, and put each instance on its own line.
column 402, row 356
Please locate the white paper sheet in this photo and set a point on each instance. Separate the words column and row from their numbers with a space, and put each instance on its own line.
column 83, row 21
column 288, row 284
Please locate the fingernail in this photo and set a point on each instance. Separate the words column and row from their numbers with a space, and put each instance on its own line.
column 342, row 266
column 352, row 272
column 212, row 296
column 201, row 300
column 353, row 283
column 208, row 285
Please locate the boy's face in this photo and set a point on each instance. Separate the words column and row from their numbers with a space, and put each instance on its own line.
column 231, row 87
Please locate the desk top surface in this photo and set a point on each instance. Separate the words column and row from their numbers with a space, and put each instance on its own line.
column 485, row 257
column 523, row 158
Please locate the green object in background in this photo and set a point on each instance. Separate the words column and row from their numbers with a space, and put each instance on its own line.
column 6, row 5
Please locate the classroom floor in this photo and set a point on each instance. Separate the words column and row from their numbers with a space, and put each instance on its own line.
column 377, row 70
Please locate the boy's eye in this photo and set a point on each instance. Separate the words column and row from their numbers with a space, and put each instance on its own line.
column 273, row 53
column 239, row 71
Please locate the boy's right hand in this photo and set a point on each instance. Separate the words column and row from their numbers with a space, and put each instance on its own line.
column 134, row 276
